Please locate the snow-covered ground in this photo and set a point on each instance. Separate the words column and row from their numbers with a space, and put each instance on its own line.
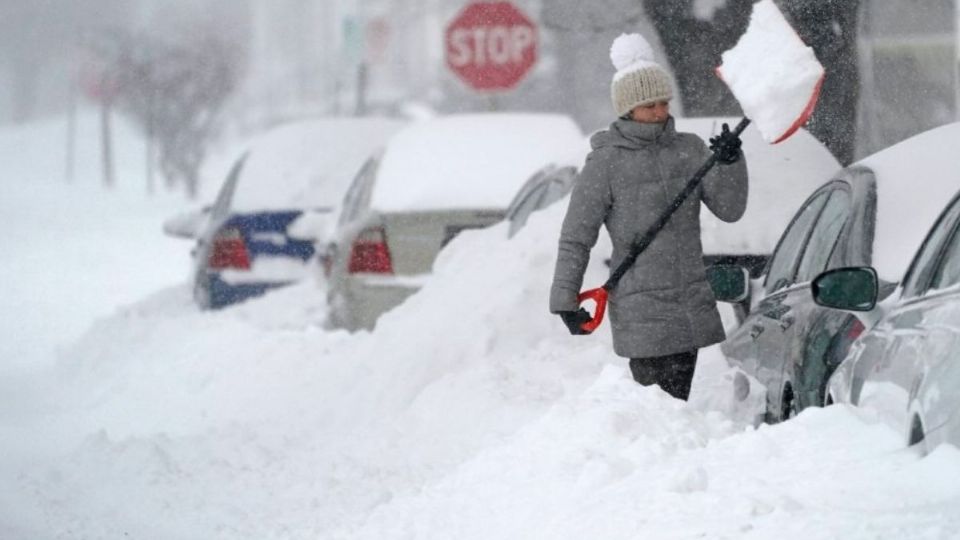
column 70, row 251
column 468, row 413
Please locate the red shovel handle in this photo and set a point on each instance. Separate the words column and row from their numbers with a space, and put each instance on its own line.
column 600, row 297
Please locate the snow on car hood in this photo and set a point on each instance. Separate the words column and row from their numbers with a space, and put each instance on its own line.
column 308, row 164
column 469, row 161
column 915, row 180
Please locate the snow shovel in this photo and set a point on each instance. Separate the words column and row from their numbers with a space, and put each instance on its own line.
column 776, row 79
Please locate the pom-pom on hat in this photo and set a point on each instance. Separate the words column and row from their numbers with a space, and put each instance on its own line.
column 639, row 79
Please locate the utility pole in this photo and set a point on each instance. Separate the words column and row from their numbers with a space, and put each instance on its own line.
column 71, row 128
column 956, row 59
column 106, row 144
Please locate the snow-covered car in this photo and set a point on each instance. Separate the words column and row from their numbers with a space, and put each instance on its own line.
column 433, row 180
column 904, row 368
column 868, row 214
column 278, row 201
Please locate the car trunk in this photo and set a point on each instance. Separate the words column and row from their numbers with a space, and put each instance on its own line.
column 414, row 239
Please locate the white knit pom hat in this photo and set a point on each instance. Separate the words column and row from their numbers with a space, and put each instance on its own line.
column 639, row 79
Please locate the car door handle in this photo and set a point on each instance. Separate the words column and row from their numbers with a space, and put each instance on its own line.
column 786, row 322
column 755, row 331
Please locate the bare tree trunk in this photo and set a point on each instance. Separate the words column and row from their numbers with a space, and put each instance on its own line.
column 695, row 41
column 693, row 45
column 71, row 131
column 830, row 27
column 360, row 108
column 106, row 146
column 583, row 32
column 151, row 137
column 23, row 88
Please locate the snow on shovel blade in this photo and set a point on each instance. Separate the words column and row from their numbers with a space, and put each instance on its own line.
column 773, row 74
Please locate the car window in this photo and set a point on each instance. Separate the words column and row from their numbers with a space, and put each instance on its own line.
column 824, row 235
column 524, row 197
column 924, row 263
column 221, row 206
column 545, row 188
column 949, row 271
column 561, row 182
column 359, row 191
column 530, row 202
column 783, row 264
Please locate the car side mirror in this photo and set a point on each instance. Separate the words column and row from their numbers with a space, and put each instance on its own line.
column 850, row 289
column 730, row 282
column 187, row 224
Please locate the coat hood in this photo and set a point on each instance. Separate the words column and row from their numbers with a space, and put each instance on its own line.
column 633, row 135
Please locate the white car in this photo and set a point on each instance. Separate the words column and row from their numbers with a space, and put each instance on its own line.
column 277, row 203
column 433, row 180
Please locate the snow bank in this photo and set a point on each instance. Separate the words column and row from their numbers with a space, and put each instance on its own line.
column 469, row 413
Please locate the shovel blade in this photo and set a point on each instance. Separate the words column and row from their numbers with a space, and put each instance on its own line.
column 773, row 74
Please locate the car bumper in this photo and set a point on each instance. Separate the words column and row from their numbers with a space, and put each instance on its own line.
column 357, row 302
column 219, row 293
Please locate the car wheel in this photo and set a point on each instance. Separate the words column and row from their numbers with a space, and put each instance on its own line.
column 916, row 432
column 788, row 403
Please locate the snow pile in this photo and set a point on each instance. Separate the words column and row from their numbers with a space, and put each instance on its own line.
column 773, row 74
column 468, row 413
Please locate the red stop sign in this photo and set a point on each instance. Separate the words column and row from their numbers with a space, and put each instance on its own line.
column 491, row 45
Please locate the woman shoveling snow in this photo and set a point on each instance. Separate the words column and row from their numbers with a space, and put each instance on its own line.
column 662, row 309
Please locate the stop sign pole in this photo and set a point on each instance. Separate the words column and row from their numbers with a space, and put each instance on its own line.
column 491, row 46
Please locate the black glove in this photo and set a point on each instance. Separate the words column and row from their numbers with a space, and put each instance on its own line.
column 574, row 320
column 726, row 145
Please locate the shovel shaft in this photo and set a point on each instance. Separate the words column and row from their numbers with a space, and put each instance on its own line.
column 654, row 229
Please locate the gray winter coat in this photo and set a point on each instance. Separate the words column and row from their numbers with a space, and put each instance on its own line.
column 663, row 304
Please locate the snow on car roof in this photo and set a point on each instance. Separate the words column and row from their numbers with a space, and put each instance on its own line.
column 782, row 176
column 915, row 179
column 308, row 164
column 469, row 160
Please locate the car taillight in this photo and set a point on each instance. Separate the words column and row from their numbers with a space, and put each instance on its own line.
column 229, row 251
column 369, row 253
column 856, row 328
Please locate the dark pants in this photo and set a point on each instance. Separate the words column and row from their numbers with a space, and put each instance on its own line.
column 673, row 372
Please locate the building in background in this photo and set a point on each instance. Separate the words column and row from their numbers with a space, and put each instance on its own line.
column 909, row 70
